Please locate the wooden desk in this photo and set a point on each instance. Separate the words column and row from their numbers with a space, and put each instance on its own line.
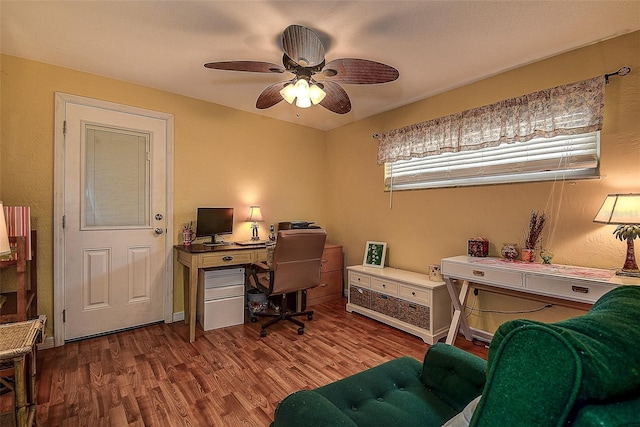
column 577, row 287
column 195, row 257
column 17, row 347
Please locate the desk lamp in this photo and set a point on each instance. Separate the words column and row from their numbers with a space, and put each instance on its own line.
column 5, row 248
column 255, row 216
column 623, row 210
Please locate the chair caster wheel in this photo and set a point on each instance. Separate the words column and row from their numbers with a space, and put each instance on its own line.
column 254, row 319
column 309, row 316
column 300, row 331
column 263, row 333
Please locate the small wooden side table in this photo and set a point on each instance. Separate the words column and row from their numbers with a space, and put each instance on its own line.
column 17, row 351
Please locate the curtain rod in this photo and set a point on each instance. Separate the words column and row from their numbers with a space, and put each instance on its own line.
column 622, row 71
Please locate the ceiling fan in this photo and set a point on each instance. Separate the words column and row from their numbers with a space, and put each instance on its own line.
column 314, row 81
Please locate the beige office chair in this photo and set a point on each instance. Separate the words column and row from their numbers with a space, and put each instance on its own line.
column 296, row 267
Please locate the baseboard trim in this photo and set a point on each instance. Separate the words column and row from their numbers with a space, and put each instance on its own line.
column 47, row 343
column 179, row 316
column 481, row 335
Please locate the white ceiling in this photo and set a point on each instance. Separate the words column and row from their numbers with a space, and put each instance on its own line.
column 435, row 45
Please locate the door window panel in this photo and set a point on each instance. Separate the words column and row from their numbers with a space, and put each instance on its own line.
column 116, row 178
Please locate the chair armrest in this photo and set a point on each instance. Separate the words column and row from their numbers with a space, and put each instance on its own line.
column 455, row 375
column 308, row 408
column 261, row 267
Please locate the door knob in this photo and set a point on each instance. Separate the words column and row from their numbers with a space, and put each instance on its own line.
column 158, row 230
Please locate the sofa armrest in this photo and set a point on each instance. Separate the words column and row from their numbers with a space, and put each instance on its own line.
column 454, row 375
column 533, row 380
column 308, row 408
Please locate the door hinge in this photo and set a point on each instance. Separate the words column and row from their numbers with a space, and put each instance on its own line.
column 64, row 128
column 64, row 316
column 64, row 220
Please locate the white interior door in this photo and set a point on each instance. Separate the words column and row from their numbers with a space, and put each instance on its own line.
column 114, row 235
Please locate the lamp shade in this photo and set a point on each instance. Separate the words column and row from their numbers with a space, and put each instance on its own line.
column 302, row 93
column 254, row 214
column 289, row 93
column 619, row 209
column 316, row 94
column 4, row 236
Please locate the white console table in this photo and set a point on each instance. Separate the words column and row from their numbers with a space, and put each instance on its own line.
column 562, row 284
column 403, row 299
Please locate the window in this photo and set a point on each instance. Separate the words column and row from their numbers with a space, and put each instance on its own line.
column 540, row 159
column 535, row 137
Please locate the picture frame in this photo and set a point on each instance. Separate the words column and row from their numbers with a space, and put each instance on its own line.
column 375, row 254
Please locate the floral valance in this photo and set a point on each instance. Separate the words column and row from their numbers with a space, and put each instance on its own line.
column 563, row 110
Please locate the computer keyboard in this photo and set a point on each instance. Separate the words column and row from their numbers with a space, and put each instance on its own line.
column 251, row 242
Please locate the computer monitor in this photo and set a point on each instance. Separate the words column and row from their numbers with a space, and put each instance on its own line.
column 213, row 222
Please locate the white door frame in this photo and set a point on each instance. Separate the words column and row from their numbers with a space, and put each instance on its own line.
column 61, row 101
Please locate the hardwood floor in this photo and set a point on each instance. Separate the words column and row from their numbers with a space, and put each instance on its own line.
column 152, row 376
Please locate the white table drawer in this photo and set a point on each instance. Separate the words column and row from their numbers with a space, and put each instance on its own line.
column 482, row 274
column 384, row 286
column 359, row 280
column 573, row 288
column 414, row 294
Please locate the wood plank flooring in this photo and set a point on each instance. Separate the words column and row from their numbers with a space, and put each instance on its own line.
column 152, row 376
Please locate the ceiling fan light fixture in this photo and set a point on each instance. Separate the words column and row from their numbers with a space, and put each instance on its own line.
column 288, row 93
column 302, row 94
column 316, row 94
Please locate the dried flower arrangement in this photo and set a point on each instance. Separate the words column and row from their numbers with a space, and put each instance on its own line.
column 536, row 224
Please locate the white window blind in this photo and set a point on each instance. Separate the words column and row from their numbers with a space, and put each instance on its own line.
column 540, row 159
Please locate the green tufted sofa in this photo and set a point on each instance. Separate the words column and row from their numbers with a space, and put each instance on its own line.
column 584, row 371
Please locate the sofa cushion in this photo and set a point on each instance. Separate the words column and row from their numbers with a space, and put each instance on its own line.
column 453, row 375
column 388, row 394
column 617, row 413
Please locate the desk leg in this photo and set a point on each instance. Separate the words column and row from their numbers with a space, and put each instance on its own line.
column 458, row 320
column 193, row 293
column 190, row 283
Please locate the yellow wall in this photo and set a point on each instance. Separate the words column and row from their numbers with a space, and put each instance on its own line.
column 223, row 157
column 332, row 177
column 424, row 226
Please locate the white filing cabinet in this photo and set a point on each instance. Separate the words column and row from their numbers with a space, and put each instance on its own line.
column 220, row 297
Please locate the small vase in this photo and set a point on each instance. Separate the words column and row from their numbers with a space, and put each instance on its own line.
column 528, row 255
column 509, row 251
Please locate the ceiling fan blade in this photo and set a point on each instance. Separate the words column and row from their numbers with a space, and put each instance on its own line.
column 303, row 45
column 337, row 99
column 359, row 71
column 270, row 96
column 250, row 66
